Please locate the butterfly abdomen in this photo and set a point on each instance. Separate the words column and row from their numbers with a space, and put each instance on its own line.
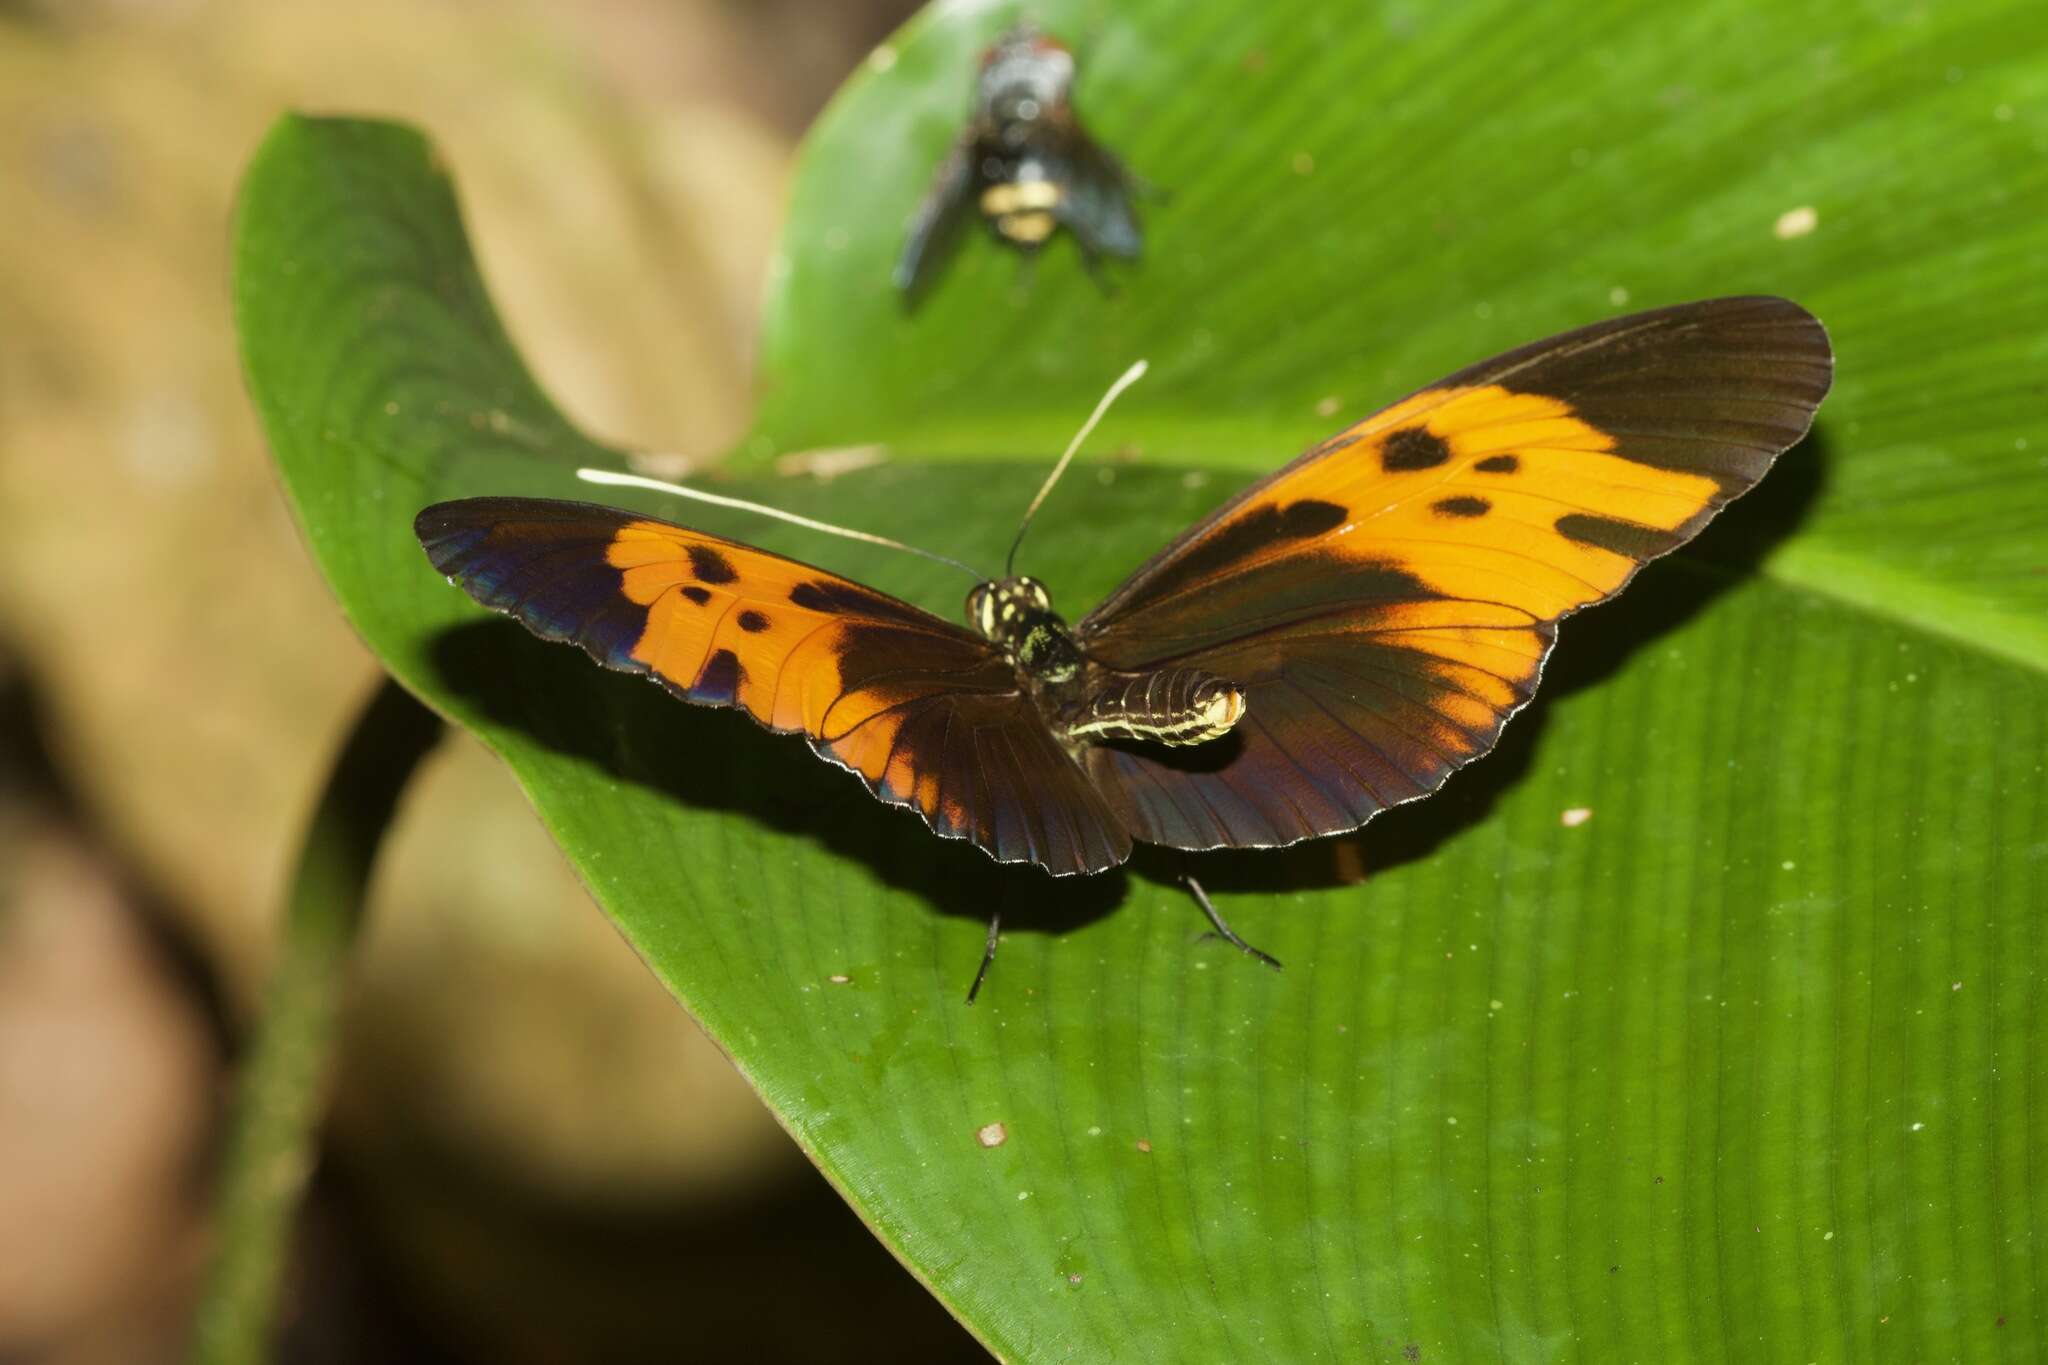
column 1172, row 706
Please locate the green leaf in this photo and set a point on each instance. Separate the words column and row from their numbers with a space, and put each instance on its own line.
column 1746, row 1064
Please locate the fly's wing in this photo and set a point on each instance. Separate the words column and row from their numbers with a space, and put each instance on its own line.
column 1386, row 601
column 935, row 228
column 929, row 715
column 1095, row 193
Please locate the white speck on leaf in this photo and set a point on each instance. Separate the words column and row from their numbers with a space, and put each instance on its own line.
column 1796, row 222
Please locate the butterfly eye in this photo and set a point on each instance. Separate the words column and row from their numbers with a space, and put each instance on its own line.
column 981, row 610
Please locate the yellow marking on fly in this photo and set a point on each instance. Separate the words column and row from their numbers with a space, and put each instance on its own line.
column 1022, row 196
column 1031, row 229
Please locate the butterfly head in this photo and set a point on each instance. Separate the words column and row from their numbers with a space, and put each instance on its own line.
column 1016, row 613
column 1001, row 608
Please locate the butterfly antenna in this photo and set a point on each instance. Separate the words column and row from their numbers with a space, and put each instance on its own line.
column 1128, row 378
column 620, row 480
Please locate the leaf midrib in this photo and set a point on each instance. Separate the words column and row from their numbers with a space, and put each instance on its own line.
column 1815, row 568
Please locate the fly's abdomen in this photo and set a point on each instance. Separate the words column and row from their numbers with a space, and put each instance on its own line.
column 1172, row 706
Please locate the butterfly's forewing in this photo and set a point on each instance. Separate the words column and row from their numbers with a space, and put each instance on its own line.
column 927, row 713
column 1386, row 601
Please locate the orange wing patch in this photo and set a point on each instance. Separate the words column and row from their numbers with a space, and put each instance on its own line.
column 1489, row 495
column 800, row 649
column 733, row 626
column 1476, row 493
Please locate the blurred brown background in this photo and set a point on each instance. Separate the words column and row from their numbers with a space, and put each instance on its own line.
column 534, row 1155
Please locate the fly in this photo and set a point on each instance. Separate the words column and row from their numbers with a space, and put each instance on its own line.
column 1026, row 165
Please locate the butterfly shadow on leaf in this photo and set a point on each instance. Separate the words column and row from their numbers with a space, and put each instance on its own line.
column 718, row 760
column 1591, row 648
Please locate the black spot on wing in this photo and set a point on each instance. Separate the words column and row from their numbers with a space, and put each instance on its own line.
column 719, row 683
column 1628, row 538
column 838, row 597
column 1413, row 448
column 1310, row 517
column 1461, row 507
column 696, row 594
column 1498, row 464
column 709, row 565
column 1257, row 530
column 753, row 622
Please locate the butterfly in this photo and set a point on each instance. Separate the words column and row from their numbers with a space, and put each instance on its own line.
column 1026, row 164
column 1333, row 641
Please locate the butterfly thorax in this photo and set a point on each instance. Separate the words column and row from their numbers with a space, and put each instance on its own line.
column 1086, row 702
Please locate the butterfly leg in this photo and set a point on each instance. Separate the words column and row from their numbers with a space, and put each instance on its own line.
column 988, row 955
column 1224, row 931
